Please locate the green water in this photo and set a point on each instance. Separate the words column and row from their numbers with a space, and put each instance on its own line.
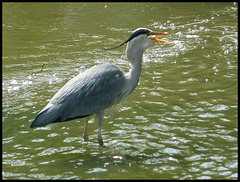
column 179, row 123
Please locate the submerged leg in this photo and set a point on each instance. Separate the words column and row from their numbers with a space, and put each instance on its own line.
column 100, row 118
column 85, row 135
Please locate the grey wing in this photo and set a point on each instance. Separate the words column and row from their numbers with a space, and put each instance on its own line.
column 90, row 92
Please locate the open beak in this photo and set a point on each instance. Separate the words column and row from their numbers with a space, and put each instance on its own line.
column 154, row 39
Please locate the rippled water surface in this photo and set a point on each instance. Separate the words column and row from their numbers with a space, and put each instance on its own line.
column 179, row 123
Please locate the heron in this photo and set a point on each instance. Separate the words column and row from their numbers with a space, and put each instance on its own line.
column 100, row 87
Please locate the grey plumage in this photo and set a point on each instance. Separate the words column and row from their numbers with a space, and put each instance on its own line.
column 77, row 98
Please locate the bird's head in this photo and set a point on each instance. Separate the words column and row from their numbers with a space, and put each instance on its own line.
column 141, row 39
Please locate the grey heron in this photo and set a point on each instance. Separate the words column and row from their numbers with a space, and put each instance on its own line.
column 98, row 88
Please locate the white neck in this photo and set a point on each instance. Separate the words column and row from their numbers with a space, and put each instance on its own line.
column 135, row 48
column 132, row 77
column 134, row 51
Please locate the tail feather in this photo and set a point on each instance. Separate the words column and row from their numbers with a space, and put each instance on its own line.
column 46, row 116
column 53, row 114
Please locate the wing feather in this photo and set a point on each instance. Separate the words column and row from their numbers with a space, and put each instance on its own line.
column 90, row 92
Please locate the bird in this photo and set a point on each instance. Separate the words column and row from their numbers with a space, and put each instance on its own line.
column 100, row 87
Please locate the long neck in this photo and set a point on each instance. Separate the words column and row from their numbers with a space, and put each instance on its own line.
column 132, row 77
column 134, row 73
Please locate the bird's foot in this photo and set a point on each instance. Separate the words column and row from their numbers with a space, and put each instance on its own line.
column 85, row 137
column 100, row 141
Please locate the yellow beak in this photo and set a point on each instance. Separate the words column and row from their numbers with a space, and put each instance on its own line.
column 158, row 40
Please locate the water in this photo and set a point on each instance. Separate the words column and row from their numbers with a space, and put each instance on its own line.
column 180, row 122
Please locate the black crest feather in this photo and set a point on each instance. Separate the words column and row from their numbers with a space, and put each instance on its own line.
column 136, row 33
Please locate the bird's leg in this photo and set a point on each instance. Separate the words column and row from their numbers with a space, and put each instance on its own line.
column 85, row 135
column 100, row 118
